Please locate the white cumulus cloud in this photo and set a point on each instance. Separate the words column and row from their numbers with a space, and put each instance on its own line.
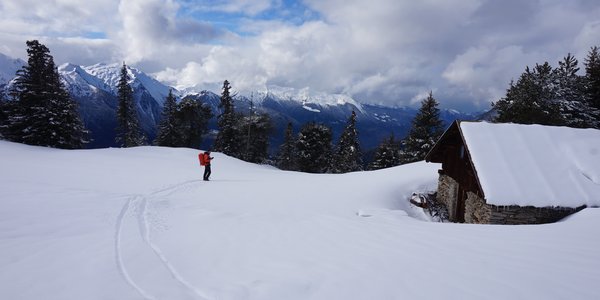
column 379, row 51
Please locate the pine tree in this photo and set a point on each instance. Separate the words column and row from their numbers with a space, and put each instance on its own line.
column 28, row 93
column 227, row 140
column 348, row 157
column 65, row 127
column 129, row 133
column 532, row 100
column 4, row 110
column 314, row 148
column 286, row 159
column 425, row 131
column 570, row 94
column 167, row 134
column 255, row 130
column 592, row 79
column 43, row 112
column 191, row 122
column 387, row 154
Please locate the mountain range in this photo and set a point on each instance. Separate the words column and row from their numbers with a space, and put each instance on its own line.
column 95, row 90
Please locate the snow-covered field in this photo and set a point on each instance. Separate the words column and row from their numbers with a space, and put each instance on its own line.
column 141, row 224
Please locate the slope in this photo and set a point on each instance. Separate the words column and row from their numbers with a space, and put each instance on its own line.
column 140, row 224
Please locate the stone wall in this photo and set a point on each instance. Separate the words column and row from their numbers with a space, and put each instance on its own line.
column 476, row 210
column 479, row 212
column 528, row 214
column 447, row 194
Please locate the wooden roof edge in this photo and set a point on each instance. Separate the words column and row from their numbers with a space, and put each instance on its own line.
column 456, row 126
column 434, row 149
column 470, row 159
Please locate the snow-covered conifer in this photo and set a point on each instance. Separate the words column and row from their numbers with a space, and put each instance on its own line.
column 348, row 156
column 592, row 79
column 227, row 140
column 532, row 99
column 314, row 148
column 191, row 122
column 387, row 154
column 167, row 133
column 286, row 158
column 425, row 131
column 254, row 131
column 43, row 112
column 129, row 133
column 570, row 94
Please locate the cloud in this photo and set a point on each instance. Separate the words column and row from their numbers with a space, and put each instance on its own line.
column 149, row 33
column 360, row 49
column 589, row 36
column 55, row 18
column 248, row 7
column 83, row 51
column 152, row 29
column 393, row 52
column 483, row 73
column 379, row 51
column 60, row 25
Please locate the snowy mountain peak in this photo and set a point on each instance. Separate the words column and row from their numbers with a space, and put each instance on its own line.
column 79, row 81
column 110, row 75
column 9, row 67
column 69, row 67
column 306, row 96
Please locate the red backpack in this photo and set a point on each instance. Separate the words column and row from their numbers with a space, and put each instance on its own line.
column 202, row 158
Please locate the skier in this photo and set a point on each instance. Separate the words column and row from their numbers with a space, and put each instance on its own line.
column 205, row 159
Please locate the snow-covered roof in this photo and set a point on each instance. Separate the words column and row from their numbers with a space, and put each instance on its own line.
column 535, row 165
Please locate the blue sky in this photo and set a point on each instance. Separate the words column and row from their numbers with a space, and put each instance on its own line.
column 390, row 52
column 292, row 12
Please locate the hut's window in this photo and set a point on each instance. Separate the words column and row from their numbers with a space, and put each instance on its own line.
column 462, row 151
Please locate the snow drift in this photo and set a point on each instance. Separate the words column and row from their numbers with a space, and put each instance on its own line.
column 140, row 223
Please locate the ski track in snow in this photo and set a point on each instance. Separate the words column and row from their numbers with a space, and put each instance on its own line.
column 119, row 258
column 140, row 202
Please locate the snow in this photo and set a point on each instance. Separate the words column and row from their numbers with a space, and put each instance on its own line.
column 9, row 68
column 535, row 165
column 110, row 74
column 306, row 95
column 310, row 109
column 139, row 223
column 80, row 82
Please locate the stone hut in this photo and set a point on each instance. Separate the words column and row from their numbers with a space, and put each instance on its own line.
column 516, row 174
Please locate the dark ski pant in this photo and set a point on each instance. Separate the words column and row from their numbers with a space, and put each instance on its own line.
column 206, row 172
